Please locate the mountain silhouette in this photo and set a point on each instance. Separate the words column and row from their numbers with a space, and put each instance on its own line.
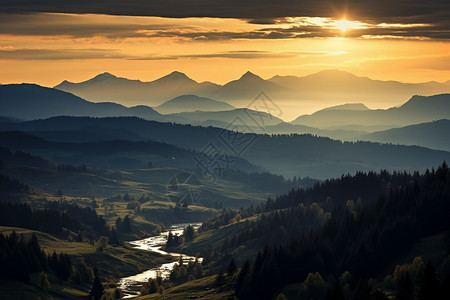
column 189, row 103
column 432, row 135
column 416, row 110
column 325, row 88
column 348, row 106
column 107, row 87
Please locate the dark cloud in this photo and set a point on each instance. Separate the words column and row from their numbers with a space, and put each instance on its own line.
column 257, row 10
column 268, row 14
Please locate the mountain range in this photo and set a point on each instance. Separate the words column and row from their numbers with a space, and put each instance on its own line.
column 325, row 88
column 47, row 102
column 351, row 121
column 107, row 87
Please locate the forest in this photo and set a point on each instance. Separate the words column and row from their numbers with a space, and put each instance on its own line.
column 341, row 246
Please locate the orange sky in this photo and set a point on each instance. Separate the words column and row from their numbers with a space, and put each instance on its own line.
column 48, row 48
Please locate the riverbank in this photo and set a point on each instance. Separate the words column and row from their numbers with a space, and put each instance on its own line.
column 131, row 285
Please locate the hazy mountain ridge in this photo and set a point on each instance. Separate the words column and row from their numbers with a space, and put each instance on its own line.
column 352, row 121
column 434, row 135
column 107, row 87
column 416, row 110
column 331, row 87
column 348, row 106
column 47, row 102
column 244, row 117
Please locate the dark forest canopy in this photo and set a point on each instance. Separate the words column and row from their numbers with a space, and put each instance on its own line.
column 362, row 241
column 360, row 224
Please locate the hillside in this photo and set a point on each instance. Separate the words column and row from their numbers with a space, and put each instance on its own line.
column 356, row 235
column 289, row 155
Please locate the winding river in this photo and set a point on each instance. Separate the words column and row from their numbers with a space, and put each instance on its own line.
column 131, row 285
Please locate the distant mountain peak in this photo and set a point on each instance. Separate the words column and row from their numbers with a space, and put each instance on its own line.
column 348, row 106
column 176, row 75
column 104, row 76
column 249, row 75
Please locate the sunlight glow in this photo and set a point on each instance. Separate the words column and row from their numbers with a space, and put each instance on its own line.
column 345, row 25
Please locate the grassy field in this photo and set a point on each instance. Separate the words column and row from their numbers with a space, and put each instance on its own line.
column 203, row 288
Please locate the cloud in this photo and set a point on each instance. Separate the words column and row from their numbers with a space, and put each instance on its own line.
column 430, row 62
column 260, row 11
column 11, row 53
column 77, row 26
column 210, row 29
column 243, row 55
column 56, row 54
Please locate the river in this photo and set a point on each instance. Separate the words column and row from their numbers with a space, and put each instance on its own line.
column 131, row 285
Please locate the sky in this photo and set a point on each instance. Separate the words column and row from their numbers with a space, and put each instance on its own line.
column 218, row 41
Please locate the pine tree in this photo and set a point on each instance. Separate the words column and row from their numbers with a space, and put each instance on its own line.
column 242, row 278
column 231, row 267
column 113, row 239
column 126, row 224
column 405, row 288
column 44, row 284
column 429, row 286
column 335, row 293
column 97, row 287
column 220, row 279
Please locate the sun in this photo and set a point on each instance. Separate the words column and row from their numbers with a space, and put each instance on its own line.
column 344, row 25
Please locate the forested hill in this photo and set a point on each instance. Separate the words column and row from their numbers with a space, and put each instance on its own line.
column 363, row 241
column 362, row 225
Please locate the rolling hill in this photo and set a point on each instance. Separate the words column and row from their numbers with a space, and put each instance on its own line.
column 290, row 155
